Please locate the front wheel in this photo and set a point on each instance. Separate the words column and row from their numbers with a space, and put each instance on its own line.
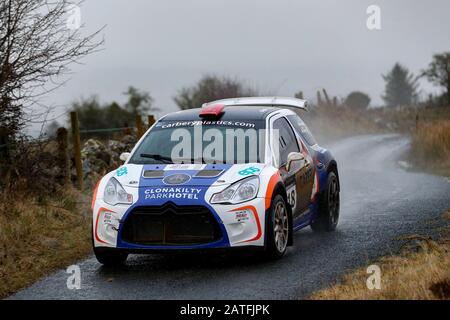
column 328, row 212
column 278, row 228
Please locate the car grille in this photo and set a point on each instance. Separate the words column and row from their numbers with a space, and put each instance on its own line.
column 171, row 225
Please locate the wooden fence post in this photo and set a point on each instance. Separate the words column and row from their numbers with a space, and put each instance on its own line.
column 335, row 101
column 319, row 99
column 63, row 154
column 4, row 152
column 5, row 160
column 77, row 147
column 151, row 120
column 139, row 127
column 327, row 98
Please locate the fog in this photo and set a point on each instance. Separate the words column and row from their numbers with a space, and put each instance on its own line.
column 279, row 47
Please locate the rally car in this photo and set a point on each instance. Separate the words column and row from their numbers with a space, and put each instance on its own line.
column 243, row 172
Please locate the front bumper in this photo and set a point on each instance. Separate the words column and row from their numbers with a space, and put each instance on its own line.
column 237, row 225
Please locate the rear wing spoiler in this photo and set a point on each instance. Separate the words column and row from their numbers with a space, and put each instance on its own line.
column 261, row 101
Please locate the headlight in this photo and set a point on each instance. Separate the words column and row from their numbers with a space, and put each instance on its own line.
column 243, row 190
column 115, row 193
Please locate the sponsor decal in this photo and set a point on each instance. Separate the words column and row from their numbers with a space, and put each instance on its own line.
column 182, row 166
column 258, row 223
column 177, row 124
column 248, row 171
column 177, row 178
column 172, row 193
column 122, row 171
column 241, row 215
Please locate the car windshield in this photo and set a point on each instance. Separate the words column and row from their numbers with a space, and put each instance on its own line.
column 207, row 141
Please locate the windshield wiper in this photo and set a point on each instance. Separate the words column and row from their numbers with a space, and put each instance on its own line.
column 156, row 157
column 205, row 160
column 195, row 160
column 182, row 160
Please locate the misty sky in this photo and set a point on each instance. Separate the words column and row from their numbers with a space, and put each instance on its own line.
column 279, row 47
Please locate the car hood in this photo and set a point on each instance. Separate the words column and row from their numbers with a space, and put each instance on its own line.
column 133, row 175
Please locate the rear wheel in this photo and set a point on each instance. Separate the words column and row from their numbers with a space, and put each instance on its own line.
column 277, row 228
column 328, row 213
column 110, row 257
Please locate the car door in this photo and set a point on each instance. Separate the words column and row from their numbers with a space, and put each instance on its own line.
column 298, row 195
column 306, row 141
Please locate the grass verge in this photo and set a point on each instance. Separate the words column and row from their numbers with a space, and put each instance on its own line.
column 420, row 271
column 430, row 147
column 40, row 235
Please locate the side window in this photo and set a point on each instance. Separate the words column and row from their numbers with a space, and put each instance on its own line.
column 287, row 141
column 302, row 129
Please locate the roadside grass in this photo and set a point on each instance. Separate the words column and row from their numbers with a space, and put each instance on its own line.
column 430, row 147
column 406, row 120
column 39, row 235
column 421, row 271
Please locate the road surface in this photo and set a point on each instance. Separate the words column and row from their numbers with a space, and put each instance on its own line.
column 380, row 202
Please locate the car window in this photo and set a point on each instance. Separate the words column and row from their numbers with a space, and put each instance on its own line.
column 302, row 129
column 237, row 142
column 287, row 140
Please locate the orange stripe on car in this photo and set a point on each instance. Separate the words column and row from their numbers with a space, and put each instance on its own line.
column 271, row 186
column 96, row 224
column 258, row 223
column 94, row 195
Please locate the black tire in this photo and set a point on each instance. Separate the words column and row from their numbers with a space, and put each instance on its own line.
column 110, row 257
column 329, row 203
column 275, row 249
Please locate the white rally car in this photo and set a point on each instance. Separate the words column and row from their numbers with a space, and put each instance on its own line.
column 259, row 177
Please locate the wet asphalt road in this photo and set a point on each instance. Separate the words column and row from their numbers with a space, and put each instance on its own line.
column 380, row 202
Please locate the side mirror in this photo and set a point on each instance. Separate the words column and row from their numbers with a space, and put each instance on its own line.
column 124, row 156
column 292, row 157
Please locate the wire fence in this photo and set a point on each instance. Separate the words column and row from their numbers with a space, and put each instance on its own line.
column 106, row 130
column 29, row 140
column 70, row 139
column 83, row 131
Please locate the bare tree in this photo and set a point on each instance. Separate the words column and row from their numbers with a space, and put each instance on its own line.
column 36, row 49
column 438, row 72
column 139, row 102
column 209, row 88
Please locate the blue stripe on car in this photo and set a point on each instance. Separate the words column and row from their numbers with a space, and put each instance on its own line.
column 149, row 188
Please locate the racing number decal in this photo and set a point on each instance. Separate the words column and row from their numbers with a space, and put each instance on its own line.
column 292, row 197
